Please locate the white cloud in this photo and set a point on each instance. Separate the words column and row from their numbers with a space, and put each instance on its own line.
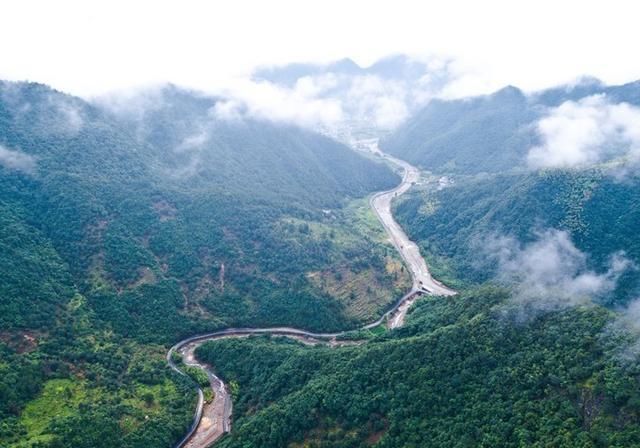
column 190, row 149
column 314, row 86
column 337, row 100
column 551, row 273
column 587, row 132
column 264, row 100
column 382, row 103
column 630, row 317
column 17, row 161
column 89, row 48
column 625, row 328
column 194, row 141
column 132, row 102
column 70, row 116
column 55, row 114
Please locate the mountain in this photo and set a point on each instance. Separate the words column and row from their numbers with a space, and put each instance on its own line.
column 125, row 228
column 491, row 191
column 371, row 100
column 490, row 133
column 540, row 348
column 455, row 224
column 127, row 224
column 473, row 135
column 395, row 67
column 629, row 93
column 174, row 195
column 282, row 162
column 459, row 374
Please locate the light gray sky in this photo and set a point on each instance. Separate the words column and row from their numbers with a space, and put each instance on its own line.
column 88, row 47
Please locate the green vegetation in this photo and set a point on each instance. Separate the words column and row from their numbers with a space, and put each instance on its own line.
column 89, row 389
column 465, row 371
column 454, row 224
column 459, row 374
column 486, row 134
column 122, row 232
column 198, row 375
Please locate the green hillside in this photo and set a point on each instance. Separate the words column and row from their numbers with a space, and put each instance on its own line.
column 125, row 227
column 487, row 134
column 459, row 374
column 122, row 232
column 453, row 225
column 484, row 368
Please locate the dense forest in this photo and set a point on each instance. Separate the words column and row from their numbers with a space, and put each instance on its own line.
column 461, row 373
column 487, row 134
column 600, row 214
column 126, row 227
column 543, row 356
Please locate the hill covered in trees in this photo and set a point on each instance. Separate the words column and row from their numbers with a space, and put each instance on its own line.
column 491, row 133
column 512, row 166
column 125, row 226
column 461, row 373
column 459, row 227
column 541, row 346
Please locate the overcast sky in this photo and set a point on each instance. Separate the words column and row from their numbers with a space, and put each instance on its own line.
column 87, row 48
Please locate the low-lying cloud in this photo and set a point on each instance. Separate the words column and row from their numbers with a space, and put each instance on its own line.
column 551, row 273
column 17, row 160
column 337, row 97
column 302, row 105
column 583, row 133
column 51, row 114
column 626, row 327
column 70, row 116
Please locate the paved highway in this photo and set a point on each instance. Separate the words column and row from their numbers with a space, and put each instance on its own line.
column 381, row 204
column 212, row 420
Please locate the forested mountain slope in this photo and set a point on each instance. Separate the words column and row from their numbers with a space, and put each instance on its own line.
column 123, row 228
column 460, row 374
column 518, row 165
column 163, row 201
column 541, row 346
column 457, row 226
column 487, row 134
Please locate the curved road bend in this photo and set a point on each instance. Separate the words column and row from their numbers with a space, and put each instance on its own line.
column 212, row 420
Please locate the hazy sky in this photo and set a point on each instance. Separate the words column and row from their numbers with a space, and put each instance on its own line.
column 87, row 47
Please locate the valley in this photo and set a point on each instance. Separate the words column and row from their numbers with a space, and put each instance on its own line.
column 118, row 241
column 213, row 418
column 252, row 269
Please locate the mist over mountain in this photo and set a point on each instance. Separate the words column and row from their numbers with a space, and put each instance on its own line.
column 286, row 224
column 501, row 131
column 519, row 165
column 289, row 74
column 341, row 99
column 396, row 67
column 132, row 225
column 131, row 221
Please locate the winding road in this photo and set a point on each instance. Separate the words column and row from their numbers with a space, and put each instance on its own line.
column 213, row 419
